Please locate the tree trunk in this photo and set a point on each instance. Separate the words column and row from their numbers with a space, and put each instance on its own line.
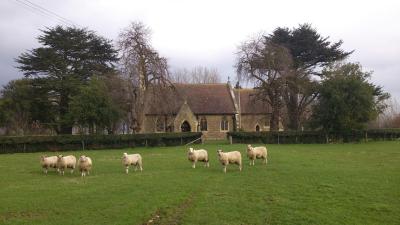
column 293, row 112
column 274, row 121
column 65, row 127
column 276, row 105
column 292, row 105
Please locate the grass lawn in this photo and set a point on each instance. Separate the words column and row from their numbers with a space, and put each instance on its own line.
column 302, row 184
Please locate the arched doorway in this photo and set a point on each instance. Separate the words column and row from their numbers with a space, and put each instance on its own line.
column 185, row 127
column 257, row 128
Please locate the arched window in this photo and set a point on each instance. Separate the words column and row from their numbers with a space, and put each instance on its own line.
column 203, row 124
column 257, row 128
column 224, row 124
column 160, row 125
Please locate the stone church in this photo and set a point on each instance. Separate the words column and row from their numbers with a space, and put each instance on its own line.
column 213, row 109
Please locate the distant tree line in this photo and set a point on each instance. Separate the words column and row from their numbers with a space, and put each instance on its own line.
column 78, row 79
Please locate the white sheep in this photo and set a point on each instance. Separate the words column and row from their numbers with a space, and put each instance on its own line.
column 198, row 155
column 48, row 162
column 64, row 162
column 85, row 165
column 257, row 153
column 134, row 160
column 227, row 158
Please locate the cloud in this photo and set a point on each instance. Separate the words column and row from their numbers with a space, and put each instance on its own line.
column 192, row 33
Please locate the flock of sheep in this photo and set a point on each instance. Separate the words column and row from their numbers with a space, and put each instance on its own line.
column 226, row 158
column 61, row 163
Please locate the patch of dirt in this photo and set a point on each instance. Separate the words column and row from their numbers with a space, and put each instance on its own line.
column 161, row 217
column 21, row 215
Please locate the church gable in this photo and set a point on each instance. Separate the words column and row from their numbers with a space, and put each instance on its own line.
column 185, row 120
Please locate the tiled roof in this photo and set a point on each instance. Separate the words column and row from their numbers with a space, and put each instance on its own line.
column 201, row 98
column 205, row 99
column 249, row 103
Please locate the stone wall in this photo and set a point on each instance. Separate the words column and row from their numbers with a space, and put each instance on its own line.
column 214, row 126
column 249, row 122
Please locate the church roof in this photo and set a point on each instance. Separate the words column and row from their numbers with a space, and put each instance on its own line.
column 249, row 103
column 207, row 98
column 212, row 99
column 201, row 98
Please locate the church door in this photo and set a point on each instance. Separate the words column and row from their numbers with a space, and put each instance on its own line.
column 185, row 127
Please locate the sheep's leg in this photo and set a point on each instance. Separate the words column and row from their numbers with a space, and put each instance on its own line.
column 266, row 160
column 126, row 169
column 240, row 167
column 194, row 164
column 225, row 169
column 88, row 172
column 141, row 168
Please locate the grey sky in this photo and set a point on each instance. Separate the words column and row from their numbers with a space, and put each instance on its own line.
column 207, row 32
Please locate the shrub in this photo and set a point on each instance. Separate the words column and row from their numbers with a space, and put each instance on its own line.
column 310, row 137
column 79, row 142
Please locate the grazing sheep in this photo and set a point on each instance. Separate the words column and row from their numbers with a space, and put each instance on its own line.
column 227, row 158
column 85, row 165
column 48, row 162
column 257, row 153
column 198, row 155
column 133, row 159
column 64, row 162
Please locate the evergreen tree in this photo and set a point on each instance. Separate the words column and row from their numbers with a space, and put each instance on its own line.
column 67, row 59
column 93, row 107
column 347, row 100
column 310, row 52
column 24, row 107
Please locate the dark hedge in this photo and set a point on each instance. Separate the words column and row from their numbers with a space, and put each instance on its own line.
column 310, row 137
column 78, row 142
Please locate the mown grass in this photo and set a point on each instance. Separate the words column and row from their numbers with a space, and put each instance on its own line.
column 302, row 184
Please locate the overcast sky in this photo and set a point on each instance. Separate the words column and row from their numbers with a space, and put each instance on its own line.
column 207, row 32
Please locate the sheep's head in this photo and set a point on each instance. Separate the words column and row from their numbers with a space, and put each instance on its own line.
column 191, row 150
column 219, row 152
column 124, row 155
column 43, row 157
column 83, row 158
column 249, row 148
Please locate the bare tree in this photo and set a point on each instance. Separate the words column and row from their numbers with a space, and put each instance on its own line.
column 390, row 117
column 143, row 66
column 267, row 66
column 198, row 75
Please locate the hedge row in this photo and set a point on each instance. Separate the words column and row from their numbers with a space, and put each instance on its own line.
column 79, row 142
column 310, row 137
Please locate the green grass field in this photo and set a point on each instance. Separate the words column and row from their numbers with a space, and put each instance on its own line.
column 302, row 184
